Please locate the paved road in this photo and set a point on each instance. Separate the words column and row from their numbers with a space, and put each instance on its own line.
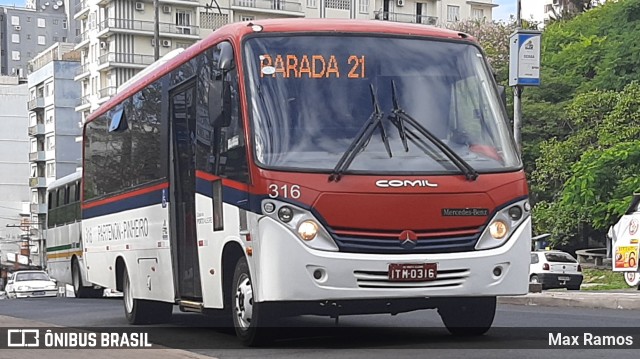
column 375, row 336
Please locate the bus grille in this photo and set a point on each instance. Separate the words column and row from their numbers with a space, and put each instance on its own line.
column 463, row 240
column 378, row 279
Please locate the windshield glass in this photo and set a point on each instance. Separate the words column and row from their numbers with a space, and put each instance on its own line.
column 559, row 258
column 311, row 95
column 21, row 277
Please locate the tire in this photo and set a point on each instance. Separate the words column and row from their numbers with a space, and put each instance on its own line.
column 78, row 286
column 249, row 320
column 139, row 311
column 534, row 279
column 632, row 278
column 468, row 316
column 573, row 288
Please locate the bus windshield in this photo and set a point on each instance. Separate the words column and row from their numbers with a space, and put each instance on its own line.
column 311, row 97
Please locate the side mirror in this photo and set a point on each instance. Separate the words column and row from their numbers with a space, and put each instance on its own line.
column 225, row 62
column 219, row 101
column 502, row 91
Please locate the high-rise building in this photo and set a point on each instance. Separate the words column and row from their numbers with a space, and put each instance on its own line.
column 26, row 31
column 53, row 124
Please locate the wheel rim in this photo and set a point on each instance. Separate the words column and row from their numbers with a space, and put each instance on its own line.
column 534, row 279
column 632, row 278
column 128, row 297
column 244, row 302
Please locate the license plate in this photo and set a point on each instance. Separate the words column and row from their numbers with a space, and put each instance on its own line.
column 38, row 293
column 564, row 278
column 408, row 272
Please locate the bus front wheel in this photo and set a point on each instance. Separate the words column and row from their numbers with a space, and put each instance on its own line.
column 139, row 311
column 249, row 320
column 468, row 316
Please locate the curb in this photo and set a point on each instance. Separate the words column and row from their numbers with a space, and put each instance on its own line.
column 627, row 301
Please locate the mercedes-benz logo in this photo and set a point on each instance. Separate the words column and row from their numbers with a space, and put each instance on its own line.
column 408, row 239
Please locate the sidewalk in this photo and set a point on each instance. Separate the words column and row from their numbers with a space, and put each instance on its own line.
column 164, row 353
column 582, row 299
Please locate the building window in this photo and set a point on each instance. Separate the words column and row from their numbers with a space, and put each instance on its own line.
column 15, row 55
column 246, row 18
column 48, row 117
column 312, row 3
column 41, row 22
column 51, row 169
column 183, row 21
column 41, row 40
column 64, row 23
column 15, row 20
column 28, row 18
column 50, row 143
column 48, row 89
column 15, row 38
column 55, row 21
column 477, row 14
column 364, row 6
column 338, row 4
column 28, row 36
column 453, row 13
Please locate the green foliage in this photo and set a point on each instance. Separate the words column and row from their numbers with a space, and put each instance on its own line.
column 589, row 177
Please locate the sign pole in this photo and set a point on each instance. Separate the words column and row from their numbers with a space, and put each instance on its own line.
column 524, row 70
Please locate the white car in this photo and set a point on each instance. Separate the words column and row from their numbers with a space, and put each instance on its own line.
column 31, row 283
column 555, row 269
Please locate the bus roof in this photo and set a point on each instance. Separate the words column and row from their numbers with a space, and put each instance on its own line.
column 66, row 179
column 239, row 29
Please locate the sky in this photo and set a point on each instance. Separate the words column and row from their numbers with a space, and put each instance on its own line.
column 502, row 12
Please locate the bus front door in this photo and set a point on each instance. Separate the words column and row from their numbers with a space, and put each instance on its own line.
column 183, row 184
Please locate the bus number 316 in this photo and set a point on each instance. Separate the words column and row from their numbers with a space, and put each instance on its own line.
column 284, row 191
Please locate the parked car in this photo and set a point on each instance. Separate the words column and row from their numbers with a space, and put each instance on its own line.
column 31, row 283
column 555, row 269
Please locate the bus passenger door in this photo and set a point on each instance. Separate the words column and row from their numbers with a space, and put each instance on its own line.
column 183, row 183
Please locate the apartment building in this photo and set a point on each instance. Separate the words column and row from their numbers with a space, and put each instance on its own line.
column 26, row 31
column 116, row 38
column 53, row 123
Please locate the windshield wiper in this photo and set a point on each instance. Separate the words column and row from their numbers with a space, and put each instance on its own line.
column 362, row 139
column 399, row 118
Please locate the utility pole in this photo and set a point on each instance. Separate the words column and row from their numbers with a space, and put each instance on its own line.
column 156, row 31
column 517, row 96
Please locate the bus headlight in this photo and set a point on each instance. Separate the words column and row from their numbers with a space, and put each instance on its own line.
column 503, row 224
column 301, row 222
column 498, row 229
column 307, row 230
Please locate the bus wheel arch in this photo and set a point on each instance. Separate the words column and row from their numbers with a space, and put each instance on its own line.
column 231, row 254
column 79, row 288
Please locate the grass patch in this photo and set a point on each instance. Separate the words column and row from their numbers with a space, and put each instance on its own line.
column 602, row 279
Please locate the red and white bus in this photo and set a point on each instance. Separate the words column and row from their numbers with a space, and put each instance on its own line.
column 323, row 167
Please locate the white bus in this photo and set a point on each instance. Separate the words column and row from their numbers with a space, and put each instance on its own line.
column 63, row 235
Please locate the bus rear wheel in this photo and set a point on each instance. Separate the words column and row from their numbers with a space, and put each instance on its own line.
column 140, row 311
column 468, row 316
column 249, row 320
column 78, row 288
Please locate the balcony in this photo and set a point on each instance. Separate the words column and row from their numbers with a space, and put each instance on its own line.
column 82, row 72
column 82, row 10
column 106, row 93
column 82, row 40
column 38, row 182
column 269, row 6
column 139, row 27
column 38, row 208
column 37, row 130
column 37, row 156
column 406, row 18
column 119, row 59
column 84, row 103
column 36, row 104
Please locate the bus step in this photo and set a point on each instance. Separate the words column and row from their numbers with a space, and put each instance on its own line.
column 190, row 306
